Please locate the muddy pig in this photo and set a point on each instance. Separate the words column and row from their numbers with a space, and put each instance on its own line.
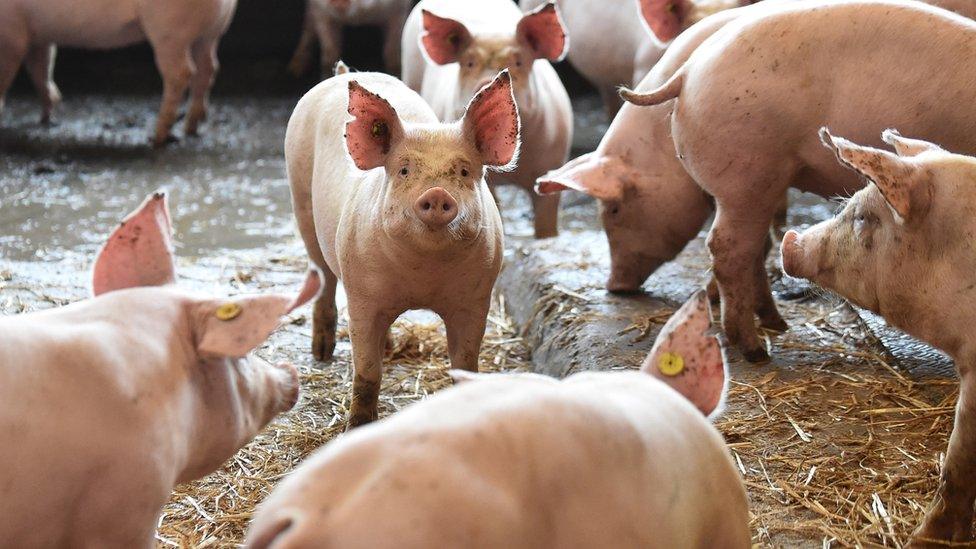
column 600, row 459
column 396, row 205
column 611, row 47
column 452, row 47
column 902, row 247
column 325, row 20
column 740, row 87
column 183, row 34
column 108, row 403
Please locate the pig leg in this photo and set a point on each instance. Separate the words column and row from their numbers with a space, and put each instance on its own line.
column 950, row 517
column 40, row 65
column 465, row 330
column 205, row 58
column 391, row 42
column 302, row 58
column 13, row 48
column 367, row 330
column 176, row 67
column 545, row 211
column 766, row 309
column 736, row 240
column 329, row 32
column 611, row 100
column 325, row 318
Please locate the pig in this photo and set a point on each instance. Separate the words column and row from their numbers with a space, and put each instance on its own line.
column 740, row 87
column 396, row 205
column 600, row 459
column 183, row 34
column 902, row 248
column 452, row 47
column 325, row 20
column 641, row 32
column 108, row 403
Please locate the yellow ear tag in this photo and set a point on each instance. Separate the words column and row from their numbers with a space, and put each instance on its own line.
column 378, row 129
column 671, row 364
column 228, row 311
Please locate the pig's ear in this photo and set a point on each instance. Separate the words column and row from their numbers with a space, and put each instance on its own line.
column 543, row 32
column 905, row 146
column 373, row 130
column 139, row 252
column 687, row 356
column 492, row 121
column 900, row 181
column 586, row 174
column 443, row 39
column 665, row 18
column 233, row 327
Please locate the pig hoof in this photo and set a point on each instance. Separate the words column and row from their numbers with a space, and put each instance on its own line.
column 755, row 356
column 358, row 420
column 776, row 324
column 323, row 349
column 159, row 143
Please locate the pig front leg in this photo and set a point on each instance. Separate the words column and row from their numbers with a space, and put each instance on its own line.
column 13, row 48
column 391, row 42
column 950, row 516
column 736, row 242
column 465, row 331
column 329, row 32
column 368, row 331
column 545, row 211
column 205, row 58
column 173, row 62
column 40, row 66
column 325, row 318
column 302, row 58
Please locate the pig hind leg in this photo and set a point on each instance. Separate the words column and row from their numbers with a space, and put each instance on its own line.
column 40, row 66
column 950, row 517
column 205, row 60
column 391, row 42
column 736, row 240
column 368, row 330
column 545, row 210
column 766, row 309
column 611, row 100
column 13, row 48
column 302, row 58
column 329, row 32
column 176, row 67
column 325, row 318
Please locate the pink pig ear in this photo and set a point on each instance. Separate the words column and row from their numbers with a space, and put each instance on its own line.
column 902, row 184
column 233, row 327
column 543, row 32
column 443, row 39
column 688, row 356
column 374, row 129
column 665, row 18
column 492, row 120
column 595, row 176
column 905, row 146
column 139, row 252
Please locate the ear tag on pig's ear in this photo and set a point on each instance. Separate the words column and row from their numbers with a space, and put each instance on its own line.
column 671, row 364
column 228, row 311
column 453, row 39
column 379, row 129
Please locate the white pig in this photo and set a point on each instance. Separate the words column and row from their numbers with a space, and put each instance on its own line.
column 108, row 403
column 613, row 45
column 451, row 48
column 396, row 205
column 902, row 247
column 183, row 34
column 741, row 87
column 608, row 459
column 325, row 20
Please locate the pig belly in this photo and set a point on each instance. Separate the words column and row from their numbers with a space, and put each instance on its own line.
column 97, row 24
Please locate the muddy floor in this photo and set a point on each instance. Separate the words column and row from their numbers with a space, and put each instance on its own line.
column 833, row 391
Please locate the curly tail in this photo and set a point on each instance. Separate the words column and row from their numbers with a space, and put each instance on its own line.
column 670, row 90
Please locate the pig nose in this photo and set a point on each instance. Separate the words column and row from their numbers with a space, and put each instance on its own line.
column 436, row 208
column 790, row 252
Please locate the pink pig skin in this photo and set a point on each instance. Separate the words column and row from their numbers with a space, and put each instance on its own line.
column 609, row 459
column 399, row 210
column 497, row 36
column 183, row 34
column 902, row 247
column 611, row 46
column 325, row 20
column 108, row 403
column 775, row 129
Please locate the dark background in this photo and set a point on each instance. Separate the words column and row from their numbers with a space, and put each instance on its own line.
column 253, row 55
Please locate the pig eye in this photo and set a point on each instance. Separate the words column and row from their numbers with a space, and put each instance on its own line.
column 464, row 172
column 615, row 209
column 470, row 64
column 404, row 171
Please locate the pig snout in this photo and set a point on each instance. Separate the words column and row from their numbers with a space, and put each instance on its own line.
column 792, row 256
column 288, row 386
column 436, row 208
